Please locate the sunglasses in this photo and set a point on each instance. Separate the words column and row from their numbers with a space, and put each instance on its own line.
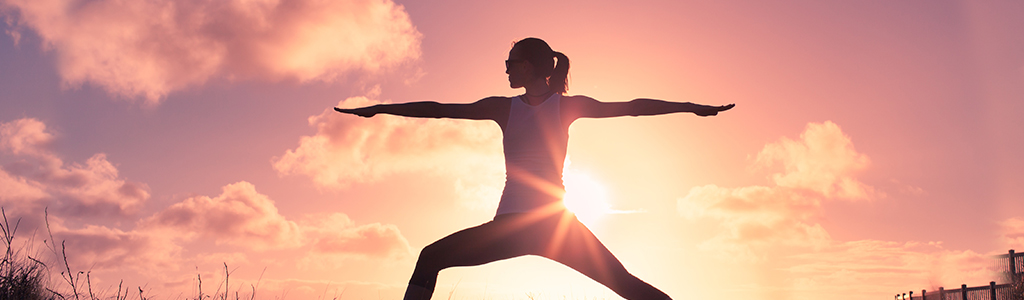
column 509, row 62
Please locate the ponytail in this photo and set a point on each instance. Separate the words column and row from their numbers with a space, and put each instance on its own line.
column 559, row 80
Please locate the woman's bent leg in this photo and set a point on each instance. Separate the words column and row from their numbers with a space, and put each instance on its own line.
column 503, row 238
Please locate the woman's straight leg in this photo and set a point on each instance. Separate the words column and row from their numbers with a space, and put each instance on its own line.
column 576, row 247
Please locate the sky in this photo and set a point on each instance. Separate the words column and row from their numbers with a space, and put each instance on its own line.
column 873, row 150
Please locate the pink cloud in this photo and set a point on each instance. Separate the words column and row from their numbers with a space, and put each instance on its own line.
column 101, row 248
column 25, row 137
column 15, row 189
column 82, row 197
column 857, row 267
column 326, row 289
column 347, row 149
column 238, row 216
column 150, row 48
column 242, row 216
column 1013, row 232
column 337, row 234
column 753, row 218
column 823, row 160
column 34, row 177
column 777, row 228
column 821, row 166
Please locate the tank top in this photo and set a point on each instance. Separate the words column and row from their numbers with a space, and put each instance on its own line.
column 534, row 143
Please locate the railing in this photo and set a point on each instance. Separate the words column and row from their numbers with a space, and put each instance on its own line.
column 1015, row 263
column 1014, row 290
column 992, row 291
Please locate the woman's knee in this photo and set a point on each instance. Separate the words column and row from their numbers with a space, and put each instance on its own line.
column 433, row 256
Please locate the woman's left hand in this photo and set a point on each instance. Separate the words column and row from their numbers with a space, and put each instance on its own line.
column 712, row 110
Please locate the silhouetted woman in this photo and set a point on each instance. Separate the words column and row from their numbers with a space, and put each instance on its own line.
column 531, row 218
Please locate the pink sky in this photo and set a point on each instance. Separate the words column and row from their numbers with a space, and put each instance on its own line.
column 874, row 148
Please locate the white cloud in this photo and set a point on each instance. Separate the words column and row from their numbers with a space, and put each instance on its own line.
column 150, row 48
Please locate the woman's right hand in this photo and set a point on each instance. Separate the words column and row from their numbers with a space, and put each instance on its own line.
column 364, row 112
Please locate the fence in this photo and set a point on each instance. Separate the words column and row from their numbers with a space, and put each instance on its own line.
column 1014, row 268
column 1015, row 263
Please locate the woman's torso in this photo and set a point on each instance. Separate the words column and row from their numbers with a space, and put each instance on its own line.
column 534, row 142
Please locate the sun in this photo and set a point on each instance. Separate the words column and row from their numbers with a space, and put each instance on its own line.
column 584, row 196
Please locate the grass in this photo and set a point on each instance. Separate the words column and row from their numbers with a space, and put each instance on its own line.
column 23, row 277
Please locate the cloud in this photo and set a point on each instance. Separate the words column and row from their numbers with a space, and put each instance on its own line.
column 755, row 217
column 335, row 241
column 776, row 229
column 238, row 216
column 1013, row 232
column 818, row 167
column 347, row 149
column 33, row 177
column 241, row 216
column 150, row 48
column 25, row 137
column 236, row 226
column 327, row 289
column 851, row 268
column 15, row 189
column 823, row 161
column 104, row 248
column 337, row 234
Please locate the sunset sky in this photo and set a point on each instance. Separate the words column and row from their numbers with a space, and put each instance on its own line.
column 875, row 147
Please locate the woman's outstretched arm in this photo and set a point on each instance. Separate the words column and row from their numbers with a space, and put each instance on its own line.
column 484, row 109
column 586, row 107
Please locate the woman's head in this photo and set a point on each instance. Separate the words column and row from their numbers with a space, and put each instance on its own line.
column 542, row 58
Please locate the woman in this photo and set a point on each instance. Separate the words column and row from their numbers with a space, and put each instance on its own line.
column 531, row 218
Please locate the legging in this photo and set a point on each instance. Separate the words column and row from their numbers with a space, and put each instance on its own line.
column 557, row 236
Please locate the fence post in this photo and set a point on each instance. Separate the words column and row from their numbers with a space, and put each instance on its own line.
column 963, row 291
column 942, row 293
column 911, row 295
column 992, row 288
column 924, row 295
column 1013, row 265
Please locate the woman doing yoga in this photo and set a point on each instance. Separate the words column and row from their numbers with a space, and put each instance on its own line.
column 531, row 218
